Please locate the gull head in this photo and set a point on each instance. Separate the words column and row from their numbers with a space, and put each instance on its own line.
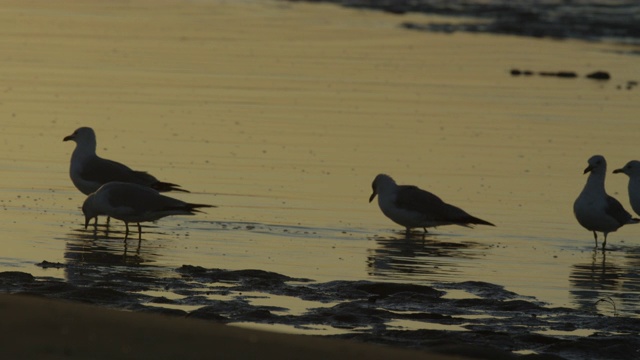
column 382, row 183
column 632, row 169
column 597, row 164
column 89, row 209
column 83, row 135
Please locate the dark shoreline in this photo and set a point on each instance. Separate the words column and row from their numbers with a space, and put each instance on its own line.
column 492, row 321
column 554, row 20
column 38, row 328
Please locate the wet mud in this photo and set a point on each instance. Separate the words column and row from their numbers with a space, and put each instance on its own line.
column 484, row 321
column 585, row 20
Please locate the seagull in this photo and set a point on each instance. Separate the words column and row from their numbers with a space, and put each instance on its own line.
column 89, row 171
column 594, row 209
column 412, row 207
column 632, row 169
column 134, row 203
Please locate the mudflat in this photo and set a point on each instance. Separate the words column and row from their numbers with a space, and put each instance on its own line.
column 37, row 328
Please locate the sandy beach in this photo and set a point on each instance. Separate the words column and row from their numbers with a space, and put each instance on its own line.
column 281, row 114
column 36, row 328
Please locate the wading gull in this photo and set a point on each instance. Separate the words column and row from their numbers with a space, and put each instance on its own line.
column 632, row 169
column 594, row 209
column 133, row 203
column 412, row 207
column 88, row 171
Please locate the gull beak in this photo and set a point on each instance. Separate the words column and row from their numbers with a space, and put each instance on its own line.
column 67, row 138
column 617, row 171
column 373, row 196
column 589, row 168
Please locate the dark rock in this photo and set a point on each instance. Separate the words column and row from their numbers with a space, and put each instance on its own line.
column 386, row 289
column 258, row 315
column 46, row 265
column 560, row 74
column 98, row 295
column 208, row 313
column 15, row 277
column 258, row 276
column 599, row 75
column 566, row 74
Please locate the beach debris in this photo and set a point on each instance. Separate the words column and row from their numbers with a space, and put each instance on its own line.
column 597, row 75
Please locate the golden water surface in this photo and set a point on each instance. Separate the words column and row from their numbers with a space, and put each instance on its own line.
column 281, row 114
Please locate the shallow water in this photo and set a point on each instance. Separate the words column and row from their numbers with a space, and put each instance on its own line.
column 284, row 121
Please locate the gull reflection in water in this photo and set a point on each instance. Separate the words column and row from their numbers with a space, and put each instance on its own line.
column 421, row 256
column 102, row 245
column 605, row 281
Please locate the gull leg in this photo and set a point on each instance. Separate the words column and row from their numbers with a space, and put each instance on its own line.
column 604, row 243
column 425, row 230
column 595, row 236
column 95, row 229
column 139, row 239
column 126, row 234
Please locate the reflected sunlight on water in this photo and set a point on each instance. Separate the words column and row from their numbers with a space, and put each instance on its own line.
column 285, row 131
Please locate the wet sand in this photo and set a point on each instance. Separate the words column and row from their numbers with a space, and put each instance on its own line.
column 281, row 114
column 36, row 328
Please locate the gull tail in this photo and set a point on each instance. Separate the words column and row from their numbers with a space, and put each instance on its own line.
column 194, row 207
column 477, row 221
column 634, row 221
column 166, row 187
column 185, row 209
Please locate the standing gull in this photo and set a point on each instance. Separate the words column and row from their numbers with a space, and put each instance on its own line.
column 89, row 171
column 134, row 203
column 632, row 169
column 594, row 209
column 412, row 207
